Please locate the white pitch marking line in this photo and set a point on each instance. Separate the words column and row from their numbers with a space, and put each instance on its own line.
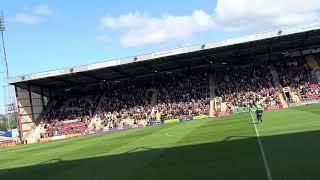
column 262, row 150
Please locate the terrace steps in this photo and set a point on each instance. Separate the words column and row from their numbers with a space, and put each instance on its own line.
column 278, row 85
column 212, row 92
column 312, row 63
column 283, row 101
column 96, row 120
column 154, row 97
column 275, row 77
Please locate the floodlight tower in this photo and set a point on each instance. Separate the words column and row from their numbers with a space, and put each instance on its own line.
column 9, row 101
column 2, row 29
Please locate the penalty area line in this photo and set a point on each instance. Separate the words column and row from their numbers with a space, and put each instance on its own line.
column 265, row 162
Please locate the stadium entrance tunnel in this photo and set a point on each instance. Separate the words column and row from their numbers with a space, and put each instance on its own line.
column 290, row 156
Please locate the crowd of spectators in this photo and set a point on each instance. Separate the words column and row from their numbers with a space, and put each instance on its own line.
column 309, row 91
column 245, row 87
column 183, row 94
column 296, row 74
column 70, row 108
column 78, row 110
column 182, row 109
column 58, row 128
column 183, row 87
column 124, row 102
column 178, row 95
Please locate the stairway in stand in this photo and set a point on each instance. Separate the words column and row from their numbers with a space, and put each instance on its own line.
column 96, row 120
column 154, row 97
column 278, row 85
column 312, row 62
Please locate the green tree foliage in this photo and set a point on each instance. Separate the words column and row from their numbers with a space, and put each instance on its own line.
column 9, row 121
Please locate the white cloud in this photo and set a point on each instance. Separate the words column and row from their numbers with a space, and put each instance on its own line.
column 42, row 10
column 137, row 29
column 103, row 38
column 249, row 14
column 141, row 29
column 27, row 19
column 125, row 21
column 34, row 15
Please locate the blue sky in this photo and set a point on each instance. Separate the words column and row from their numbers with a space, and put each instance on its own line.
column 45, row 35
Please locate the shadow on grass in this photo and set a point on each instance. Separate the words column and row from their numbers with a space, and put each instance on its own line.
column 290, row 156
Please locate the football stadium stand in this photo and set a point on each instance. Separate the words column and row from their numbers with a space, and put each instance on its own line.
column 243, row 88
column 296, row 74
column 270, row 70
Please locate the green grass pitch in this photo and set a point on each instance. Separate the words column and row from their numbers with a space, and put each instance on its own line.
column 225, row 148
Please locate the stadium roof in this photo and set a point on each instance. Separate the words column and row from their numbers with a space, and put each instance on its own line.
column 225, row 51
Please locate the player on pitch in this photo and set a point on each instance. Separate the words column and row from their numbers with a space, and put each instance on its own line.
column 259, row 113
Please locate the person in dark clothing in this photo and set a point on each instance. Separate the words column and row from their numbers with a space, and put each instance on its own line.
column 259, row 113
